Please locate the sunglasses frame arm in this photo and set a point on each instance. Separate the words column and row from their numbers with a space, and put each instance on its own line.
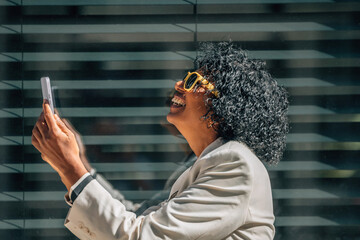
column 203, row 81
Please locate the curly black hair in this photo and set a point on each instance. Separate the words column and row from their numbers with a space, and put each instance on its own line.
column 251, row 106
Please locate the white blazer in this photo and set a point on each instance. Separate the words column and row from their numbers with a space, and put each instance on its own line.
column 226, row 194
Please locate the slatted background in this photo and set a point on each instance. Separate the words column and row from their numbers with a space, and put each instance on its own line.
column 113, row 64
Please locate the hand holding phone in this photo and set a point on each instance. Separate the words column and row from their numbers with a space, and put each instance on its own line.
column 47, row 92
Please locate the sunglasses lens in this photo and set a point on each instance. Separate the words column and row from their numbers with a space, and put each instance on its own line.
column 190, row 81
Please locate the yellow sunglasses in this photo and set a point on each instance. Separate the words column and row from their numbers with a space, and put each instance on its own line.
column 192, row 78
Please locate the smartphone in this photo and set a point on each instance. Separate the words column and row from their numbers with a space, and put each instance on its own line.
column 47, row 91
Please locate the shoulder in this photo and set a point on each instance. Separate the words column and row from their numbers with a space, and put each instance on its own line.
column 230, row 151
column 233, row 148
column 229, row 156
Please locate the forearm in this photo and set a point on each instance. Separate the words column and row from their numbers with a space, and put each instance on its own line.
column 104, row 216
column 71, row 176
column 116, row 194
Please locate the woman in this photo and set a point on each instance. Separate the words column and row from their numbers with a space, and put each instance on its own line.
column 233, row 115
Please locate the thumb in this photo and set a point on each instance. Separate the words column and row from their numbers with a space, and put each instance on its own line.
column 61, row 124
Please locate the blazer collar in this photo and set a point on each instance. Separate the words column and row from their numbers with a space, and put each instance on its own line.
column 215, row 144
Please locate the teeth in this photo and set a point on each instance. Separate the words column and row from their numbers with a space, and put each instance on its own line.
column 178, row 101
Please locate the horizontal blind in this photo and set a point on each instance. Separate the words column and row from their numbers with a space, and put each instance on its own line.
column 113, row 65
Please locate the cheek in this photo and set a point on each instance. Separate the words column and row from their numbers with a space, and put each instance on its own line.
column 197, row 106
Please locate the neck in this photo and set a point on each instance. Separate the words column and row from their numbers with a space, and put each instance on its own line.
column 199, row 140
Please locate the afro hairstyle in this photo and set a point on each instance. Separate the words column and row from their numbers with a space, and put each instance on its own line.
column 251, row 107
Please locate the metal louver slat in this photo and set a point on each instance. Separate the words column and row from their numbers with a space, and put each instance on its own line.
column 114, row 63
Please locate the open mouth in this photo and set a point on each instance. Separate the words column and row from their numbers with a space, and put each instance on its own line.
column 177, row 101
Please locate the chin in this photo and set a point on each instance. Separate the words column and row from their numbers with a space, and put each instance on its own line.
column 171, row 118
column 175, row 119
column 168, row 118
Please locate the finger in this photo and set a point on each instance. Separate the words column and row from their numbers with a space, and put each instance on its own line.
column 61, row 124
column 70, row 126
column 34, row 141
column 42, row 127
column 37, row 134
column 49, row 116
column 76, row 134
column 67, row 124
column 41, row 117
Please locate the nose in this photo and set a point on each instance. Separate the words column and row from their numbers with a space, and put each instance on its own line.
column 179, row 86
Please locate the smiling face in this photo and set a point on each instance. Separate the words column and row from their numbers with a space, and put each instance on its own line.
column 187, row 108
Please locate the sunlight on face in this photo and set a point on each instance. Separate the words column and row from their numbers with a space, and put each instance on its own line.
column 187, row 108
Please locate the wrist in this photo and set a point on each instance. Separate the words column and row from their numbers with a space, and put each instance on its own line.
column 72, row 174
column 85, row 161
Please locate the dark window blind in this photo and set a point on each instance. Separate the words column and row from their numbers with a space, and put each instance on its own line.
column 113, row 65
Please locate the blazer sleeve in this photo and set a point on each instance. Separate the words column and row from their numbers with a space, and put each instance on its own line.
column 129, row 205
column 212, row 207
